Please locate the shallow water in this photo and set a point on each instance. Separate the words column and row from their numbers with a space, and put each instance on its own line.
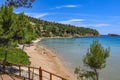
column 72, row 50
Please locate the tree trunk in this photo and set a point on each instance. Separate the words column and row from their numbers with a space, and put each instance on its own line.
column 97, row 74
column 6, row 52
column 23, row 46
column 5, row 59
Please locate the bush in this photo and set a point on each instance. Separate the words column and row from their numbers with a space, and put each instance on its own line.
column 15, row 55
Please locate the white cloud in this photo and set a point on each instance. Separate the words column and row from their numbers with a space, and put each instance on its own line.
column 40, row 15
column 66, row 6
column 37, row 15
column 69, row 6
column 71, row 21
column 101, row 25
column 95, row 25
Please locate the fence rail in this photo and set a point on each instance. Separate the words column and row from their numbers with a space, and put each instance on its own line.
column 28, row 72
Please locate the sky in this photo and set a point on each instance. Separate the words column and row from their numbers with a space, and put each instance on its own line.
column 102, row 15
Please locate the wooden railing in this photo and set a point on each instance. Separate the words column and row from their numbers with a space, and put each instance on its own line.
column 27, row 72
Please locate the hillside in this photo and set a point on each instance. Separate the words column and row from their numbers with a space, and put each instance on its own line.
column 52, row 29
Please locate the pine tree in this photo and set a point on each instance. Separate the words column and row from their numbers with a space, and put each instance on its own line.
column 6, row 21
column 96, row 58
column 22, row 31
column 14, row 29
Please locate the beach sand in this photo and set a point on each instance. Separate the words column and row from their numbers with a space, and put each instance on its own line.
column 47, row 60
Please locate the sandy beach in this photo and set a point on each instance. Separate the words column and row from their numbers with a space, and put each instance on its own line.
column 47, row 60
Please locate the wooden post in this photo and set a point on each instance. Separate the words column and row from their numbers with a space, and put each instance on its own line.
column 50, row 76
column 40, row 73
column 29, row 73
column 19, row 70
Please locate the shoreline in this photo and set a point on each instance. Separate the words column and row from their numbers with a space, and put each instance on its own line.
column 47, row 59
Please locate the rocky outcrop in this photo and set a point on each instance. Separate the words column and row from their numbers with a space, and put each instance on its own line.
column 113, row 35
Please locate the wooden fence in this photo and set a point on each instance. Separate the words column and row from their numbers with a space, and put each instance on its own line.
column 27, row 72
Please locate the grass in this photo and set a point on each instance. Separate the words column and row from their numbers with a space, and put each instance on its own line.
column 15, row 55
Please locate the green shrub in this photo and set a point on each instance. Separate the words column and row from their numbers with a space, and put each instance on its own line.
column 15, row 55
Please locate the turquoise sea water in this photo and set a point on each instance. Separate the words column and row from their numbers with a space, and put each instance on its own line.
column 72, row 50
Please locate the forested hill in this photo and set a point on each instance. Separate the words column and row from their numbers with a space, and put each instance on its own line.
column 52, row 29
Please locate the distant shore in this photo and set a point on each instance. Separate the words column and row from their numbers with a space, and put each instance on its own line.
column 113, row 34
column 43, row 57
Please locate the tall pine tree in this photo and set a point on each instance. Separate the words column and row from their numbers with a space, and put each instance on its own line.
column 6, row 22
column 14, row 29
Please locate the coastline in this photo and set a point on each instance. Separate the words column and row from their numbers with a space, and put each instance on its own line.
column 47, row 59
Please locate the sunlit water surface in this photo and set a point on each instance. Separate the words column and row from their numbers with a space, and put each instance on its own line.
column 72, row 50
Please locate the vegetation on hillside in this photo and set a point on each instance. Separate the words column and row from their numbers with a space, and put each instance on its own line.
column 95, row 59
column 52, row 29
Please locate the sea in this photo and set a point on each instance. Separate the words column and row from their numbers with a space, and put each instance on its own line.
column 71, row 52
